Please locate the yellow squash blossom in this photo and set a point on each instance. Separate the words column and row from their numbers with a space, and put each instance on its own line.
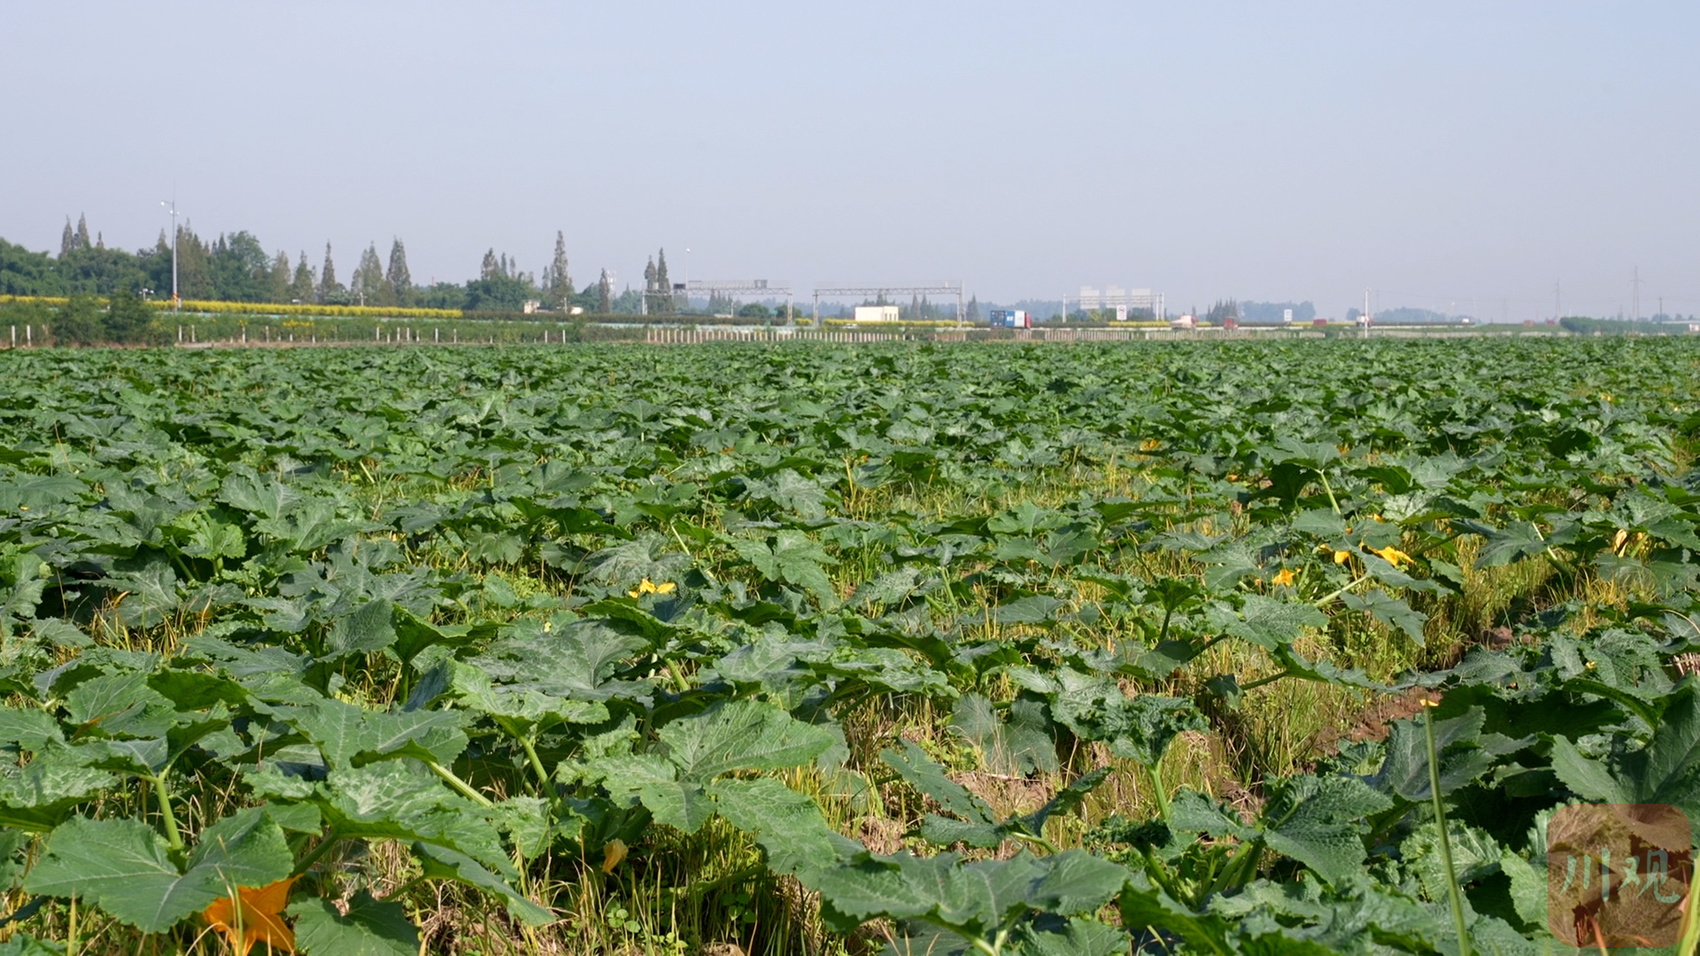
column 254, row 916
column 1341, row 556
column 1392, row 555
column 1285, row 577
column 650, row 587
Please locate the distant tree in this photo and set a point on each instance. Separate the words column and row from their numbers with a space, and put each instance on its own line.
column 755, row 310
column 491, row 267
column 302, row 286
column 277, row 290
column 241, row 270
column 23, row 272
column 499, row 293
column 78, row 322
column 330, row 291
column 973, row 308
column 194, row 265
column 128, row 319
column 367, row 287
column 604, row 294
column 557, row 281
column 1223, row 310
column 397, row 277
column 442, row 295
column 156, row 266
column 67, row 240
column 663, row 284
column 83, row 232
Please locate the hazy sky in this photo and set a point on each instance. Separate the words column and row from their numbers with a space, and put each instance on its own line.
column 1439, row 152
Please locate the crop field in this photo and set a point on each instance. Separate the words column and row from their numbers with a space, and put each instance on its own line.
column 736, row 649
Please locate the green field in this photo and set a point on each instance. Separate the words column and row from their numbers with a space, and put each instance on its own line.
column 827, row 649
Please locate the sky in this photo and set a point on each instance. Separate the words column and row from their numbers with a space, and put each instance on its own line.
column 1460, row 156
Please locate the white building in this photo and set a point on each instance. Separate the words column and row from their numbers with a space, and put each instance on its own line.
column 876, row 313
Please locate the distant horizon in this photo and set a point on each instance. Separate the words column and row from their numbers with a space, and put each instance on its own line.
column 1457, row 157
column 1035, row 303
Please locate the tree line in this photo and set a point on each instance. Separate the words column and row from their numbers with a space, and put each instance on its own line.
column 235, row 267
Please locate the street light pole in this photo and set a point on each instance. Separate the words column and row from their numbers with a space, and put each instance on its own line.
column 176, row 302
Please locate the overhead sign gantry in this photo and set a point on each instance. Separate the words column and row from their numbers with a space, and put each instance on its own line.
column 765, row 288
column 941, row 287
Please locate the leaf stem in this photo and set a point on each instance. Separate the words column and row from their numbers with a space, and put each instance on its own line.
column 1324, row 477
column 1272, row 678
column 329, row 840
column 536, row 763
column 1157, row 787
column 1453, row 894
column 460, row 785
column 1330, row 598
column 173, row 836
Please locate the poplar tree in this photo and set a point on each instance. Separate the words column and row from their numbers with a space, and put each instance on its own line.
column 368, row 282
column 82, row 232
column 329, row 288
column 604, row 294
column 67, row 240
column 397, row 277
column 663, row 284
column 557, row 281
column 301, row 290
column 491, row 268
column 279, row 288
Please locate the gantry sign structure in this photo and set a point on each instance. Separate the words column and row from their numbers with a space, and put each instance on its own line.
column 765, row 288
column 942, row 287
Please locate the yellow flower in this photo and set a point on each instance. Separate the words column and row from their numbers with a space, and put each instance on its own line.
column 612, row 853
column 1427, row 702
column 650, row 587
column 548, row 626
column 1284, row 577
column 1392, row 555
column 254, row 916
column 1341, row 556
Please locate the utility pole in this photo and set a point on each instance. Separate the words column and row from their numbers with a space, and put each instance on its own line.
column 1636, row 294
column 1365, row 318
column 1557, row 308
column 176, row 302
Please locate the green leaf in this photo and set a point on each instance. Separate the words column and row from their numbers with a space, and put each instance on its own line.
column 654, row 781
column 1671, row 772
column 442, row 863
column 400, row 800
column 787, row 825
column 912, row 764
column 119, row 705
column 350, row 736
column 23, row 944
column 122, row 867
column 371, row 927
column 1475, row 854
column 40, row 796
column 1315, row 821
column 1270, row 623
column 1033, row 609
column 369, row 629
column 1390, row 611
column 741, row 735
column 1588, row 778
column 1019, row 745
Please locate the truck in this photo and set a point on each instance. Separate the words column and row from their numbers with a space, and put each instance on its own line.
column 1011, row 319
